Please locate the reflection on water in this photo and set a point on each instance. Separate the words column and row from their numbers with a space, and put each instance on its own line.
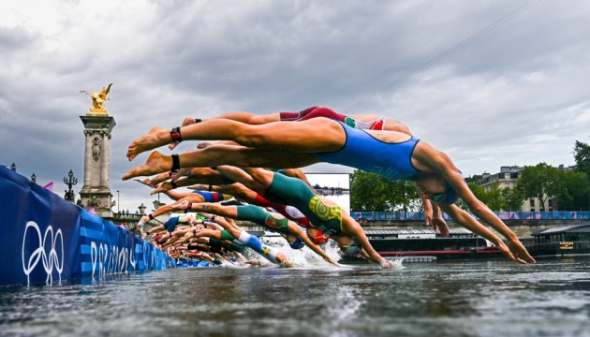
column 492, row 298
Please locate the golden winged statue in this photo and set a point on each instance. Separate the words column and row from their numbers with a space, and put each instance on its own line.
column 98, row 98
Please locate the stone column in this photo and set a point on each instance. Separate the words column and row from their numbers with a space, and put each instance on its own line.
column 87, row 157
column 96, row 192
column 105, row 167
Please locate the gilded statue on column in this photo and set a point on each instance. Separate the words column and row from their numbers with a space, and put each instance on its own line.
column 98, row 99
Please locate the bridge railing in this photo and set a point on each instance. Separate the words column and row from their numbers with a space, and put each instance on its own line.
column 416, row 216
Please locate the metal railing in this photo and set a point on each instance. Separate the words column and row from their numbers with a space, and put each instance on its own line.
column 415, row 216
column 558, row 247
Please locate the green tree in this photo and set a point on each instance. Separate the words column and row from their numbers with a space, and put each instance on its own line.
column 497, row 199
column 575, row 194
column 370, row 192
column 541, row 181
column 478, row 191
column 582, row 157
column 512, row 199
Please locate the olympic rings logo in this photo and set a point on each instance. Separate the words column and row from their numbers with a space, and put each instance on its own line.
column 49, row 261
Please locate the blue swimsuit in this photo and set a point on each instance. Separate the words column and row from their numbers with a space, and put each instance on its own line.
column 212, row 196
column 363, row 151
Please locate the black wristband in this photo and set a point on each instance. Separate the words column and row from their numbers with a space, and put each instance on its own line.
column 175, row 135
column 198, row 120
column 151, row 216
column 210, row 188
column 175, row 164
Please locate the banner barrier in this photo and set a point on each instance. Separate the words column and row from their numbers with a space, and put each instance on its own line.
column 46, row 239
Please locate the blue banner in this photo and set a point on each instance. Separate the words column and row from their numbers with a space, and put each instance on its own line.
column 47, row 239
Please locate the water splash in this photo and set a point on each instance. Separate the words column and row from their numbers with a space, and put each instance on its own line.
column 303, row 257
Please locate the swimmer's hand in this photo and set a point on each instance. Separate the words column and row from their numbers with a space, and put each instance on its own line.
column 519, row 252
column 253, row 262
column 329, row 260
column 439, row 225
column 386, row 264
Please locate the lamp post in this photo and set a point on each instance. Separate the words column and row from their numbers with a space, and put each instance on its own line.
column 34, row 178
column 13, row 167
column 118, row 206
column 70, row 181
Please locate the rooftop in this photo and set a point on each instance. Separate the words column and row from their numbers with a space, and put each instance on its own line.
column 573, row 228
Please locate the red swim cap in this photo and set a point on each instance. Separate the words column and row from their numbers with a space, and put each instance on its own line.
column 319, row 238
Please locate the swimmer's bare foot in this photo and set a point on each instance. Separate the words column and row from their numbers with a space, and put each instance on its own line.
column 182, row 205
column 203, row 145
column 163, row 187
column 145, row 181
column 156, row 137
column 188, row 121
column 156, row 163
column 160, row 178
column 181, row 173
column 200, row 187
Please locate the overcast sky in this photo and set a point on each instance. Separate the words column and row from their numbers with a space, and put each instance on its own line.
column 491, row 83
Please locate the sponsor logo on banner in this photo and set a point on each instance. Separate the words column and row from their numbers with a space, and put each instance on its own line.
column 49, row 251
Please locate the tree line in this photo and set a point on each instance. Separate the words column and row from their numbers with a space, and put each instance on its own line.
column 570, row 190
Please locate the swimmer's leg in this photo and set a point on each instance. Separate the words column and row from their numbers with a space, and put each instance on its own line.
column 253, row 242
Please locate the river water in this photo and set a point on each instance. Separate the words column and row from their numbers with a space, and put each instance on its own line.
column 463, row 298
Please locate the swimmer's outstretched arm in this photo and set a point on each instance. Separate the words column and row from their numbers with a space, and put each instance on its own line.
column 352, row 228
column 469, row 222
column 294, row 228
column 438, row 222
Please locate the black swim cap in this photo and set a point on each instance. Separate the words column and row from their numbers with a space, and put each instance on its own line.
column 352, row 252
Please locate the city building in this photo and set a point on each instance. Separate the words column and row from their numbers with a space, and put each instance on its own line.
column 507, row 178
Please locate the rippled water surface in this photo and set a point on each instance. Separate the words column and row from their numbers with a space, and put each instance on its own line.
column 495, row 298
